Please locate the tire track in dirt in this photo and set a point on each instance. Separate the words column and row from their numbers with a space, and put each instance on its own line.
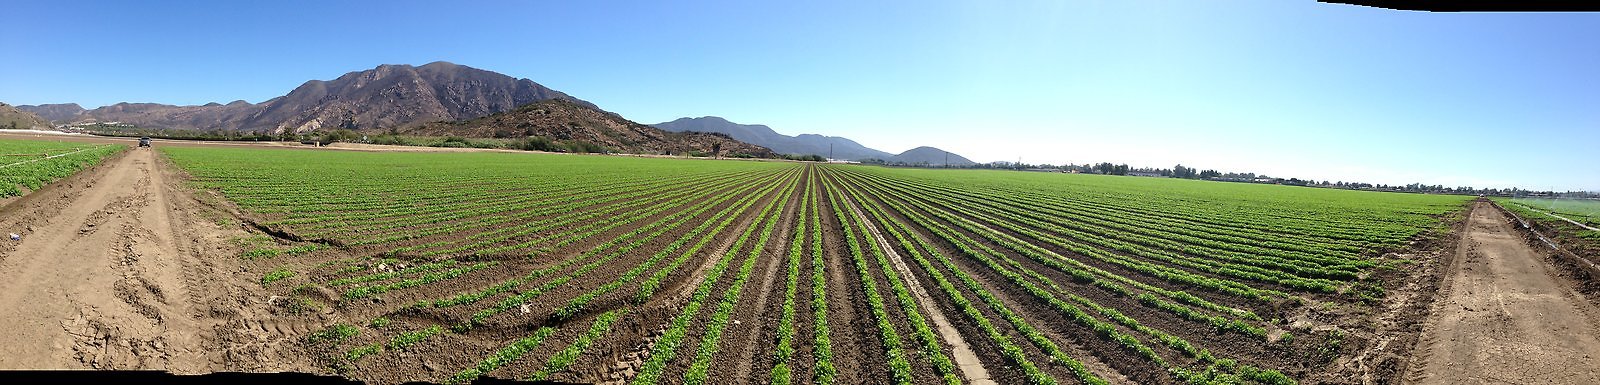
column 966, row 361
column 63, row 272
column 112, row 274
column 1504, row 316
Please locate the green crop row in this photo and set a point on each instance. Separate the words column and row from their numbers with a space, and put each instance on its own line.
column 666, row 346
column 1012, row 352
column 578, row 304
column 566, row 357
column 899, row 367
column 710, row 341
column 34, row 163
column 503, row 356
column 781, row 372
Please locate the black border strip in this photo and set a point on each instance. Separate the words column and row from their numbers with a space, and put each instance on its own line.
column 1477, row 5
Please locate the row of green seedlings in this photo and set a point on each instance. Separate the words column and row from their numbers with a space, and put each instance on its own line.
column 564, row 358
column 514, row 283
column 487, row 217
column 823, row 370
column 428, row 278
column 517, row 300
column 666, row 346
column 1144, row 267
column 1209, row 213
column 267, row 193
column 710, row 341
column 411, row 205
column 1079, row 271
column 416, row 202
column 577, row 305
column 631, row 197
column 26, row 152
column 557, row 363
column 931, row 349
column 648, row 288
column 386, row 275
column 279, row 184
column 398, row 208
column 1111, row 224
column 1216, row 372
column 1072, row 312
column 1355, row 230
column 1009, row 349
column 1167, row 273
column 516, row 345
column 36, row 173
column 271, row 252
column 403, row 341
column 584, row 211
column 1191, row 222
column 781, row 372
column 597, row 226
column 514, row 351
column 1107, row 240
column 522, row 216
column 1044, row 255
column 1287, row 249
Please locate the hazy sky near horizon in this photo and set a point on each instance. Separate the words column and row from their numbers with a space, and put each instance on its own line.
column 1281, row 87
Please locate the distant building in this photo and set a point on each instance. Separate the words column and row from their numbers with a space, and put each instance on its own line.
column 1145, row 173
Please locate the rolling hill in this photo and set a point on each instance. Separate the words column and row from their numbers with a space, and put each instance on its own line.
column 929, row 156
column 567, row 120
column 807, row 144
column 382, row 97
column 13, row 118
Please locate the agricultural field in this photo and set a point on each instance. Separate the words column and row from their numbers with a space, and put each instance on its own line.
column 450, row 266
column 1582, row 210
column 34, row 163
column 1551, row 217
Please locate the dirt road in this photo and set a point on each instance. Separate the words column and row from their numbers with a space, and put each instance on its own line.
column 1505, row 317
column 115, row 270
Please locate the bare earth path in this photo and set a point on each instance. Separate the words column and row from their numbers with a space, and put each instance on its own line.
column 1504, row 317
column 966, row 361
column 116, row 271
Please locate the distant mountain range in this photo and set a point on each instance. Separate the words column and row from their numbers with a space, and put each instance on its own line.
column 383, row 97
column 808, row 144
column 446, row 99
column 55, row 112
column 13, row 118
column 568, row 121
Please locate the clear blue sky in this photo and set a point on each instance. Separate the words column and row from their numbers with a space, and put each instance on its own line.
column 1282, row 87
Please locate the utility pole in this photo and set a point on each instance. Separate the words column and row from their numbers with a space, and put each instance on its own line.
column 946, row 159
column 830, row 151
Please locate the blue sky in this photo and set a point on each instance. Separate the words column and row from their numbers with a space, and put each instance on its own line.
column 1286, row 88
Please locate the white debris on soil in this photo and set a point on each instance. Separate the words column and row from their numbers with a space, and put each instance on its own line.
column 16, row 237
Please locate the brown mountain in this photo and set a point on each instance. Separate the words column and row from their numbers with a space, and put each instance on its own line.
column 567, row 120
column 13, row 118
column 383, row 97
column 55, row 112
